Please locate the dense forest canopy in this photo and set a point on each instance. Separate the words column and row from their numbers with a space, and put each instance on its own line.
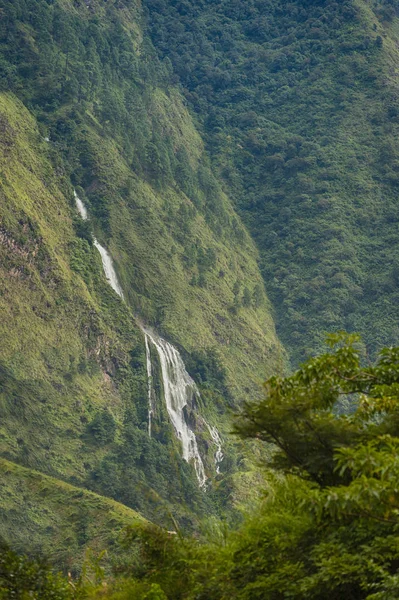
column 298, row 104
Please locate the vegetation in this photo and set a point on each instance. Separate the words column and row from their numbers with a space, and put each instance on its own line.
column 328, row 528
column 23, row 578
column 85, row 103
column 298, row 105
column 122, row 133
column 63, row 523
column 74, row 356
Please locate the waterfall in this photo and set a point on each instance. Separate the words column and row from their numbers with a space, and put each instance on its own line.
column 217, row 440
column 149, row 384
column 109, row 270
column 106, row 259
column 82, row 210
column 179, row 389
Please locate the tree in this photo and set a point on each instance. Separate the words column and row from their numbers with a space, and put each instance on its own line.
column 246, row 298
column 103, row 427
column 334, row 520
column 301, row 414
column 328, row 528
column 21, row 577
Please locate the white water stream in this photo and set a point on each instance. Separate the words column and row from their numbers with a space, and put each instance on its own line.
column 149, row 384
column 179, row 391
column 217, row 440
column 106, row 259
column 179, row 388
column 81, row 207
column 109, row 269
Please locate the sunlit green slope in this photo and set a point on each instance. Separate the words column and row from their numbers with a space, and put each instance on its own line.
column 51, row 518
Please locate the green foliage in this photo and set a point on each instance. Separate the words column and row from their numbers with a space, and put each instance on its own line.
column 103, row 427
column 299, row 109
column 22, row 578
column 351, row 510
column 327, row 529
column 301, row 413
column 104, row 117
column 80, row 415
column 330, row 527
column 209, row 374
column 58, row 521
column 121, row 132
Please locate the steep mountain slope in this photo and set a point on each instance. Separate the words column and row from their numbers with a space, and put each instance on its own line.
column 299, row 104
column 72, row 362
column 92, row 107
column 54, row 519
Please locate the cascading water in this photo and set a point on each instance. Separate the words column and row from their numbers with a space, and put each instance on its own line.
column 81, row 207
column 106, row 259
column 179, row 387
column 149, row 384
column 109, row 269
column 217, row 440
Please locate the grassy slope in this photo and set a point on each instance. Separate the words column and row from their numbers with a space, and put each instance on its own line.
column 73, row 519
column 51, row 324
column 151, row 254
column 72, row 352
column 155, row 228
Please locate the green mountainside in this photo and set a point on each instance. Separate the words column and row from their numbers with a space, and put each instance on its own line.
column 299, row 107
column 239, row 161
column 85, row 103
column 59, row 520
column 327, row 529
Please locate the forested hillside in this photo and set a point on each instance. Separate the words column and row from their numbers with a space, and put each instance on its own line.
column 86, row 104
column 237, row 165
column 299, row 106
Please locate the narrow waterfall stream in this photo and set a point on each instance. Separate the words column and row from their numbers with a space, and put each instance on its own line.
column 217, row 440
column 149, row 384
column 179, row 388
column 106, row 259
column 109, row 270
column 81, row 207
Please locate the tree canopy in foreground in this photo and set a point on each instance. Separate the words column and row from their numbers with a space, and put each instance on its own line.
column 328, row 524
